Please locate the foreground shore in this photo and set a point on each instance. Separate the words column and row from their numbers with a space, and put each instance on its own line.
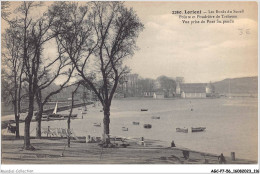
column 56, row 152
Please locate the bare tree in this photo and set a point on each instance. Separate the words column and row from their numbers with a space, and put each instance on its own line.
column 12, row 70
column 46, row 80
column 98, row 41
column 72, row 105
column 5, row 10
column 31, row 60
column 146, row 85
column 35, row 34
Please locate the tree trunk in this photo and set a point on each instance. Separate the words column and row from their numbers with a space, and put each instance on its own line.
column 72, row 102
column 27, row 144
column 17, row 126
column 16, row 119
column 39, row 114
column 106, row 122
column 39, row 120
column 15, row 103
column 71, row 109
column 69, row 131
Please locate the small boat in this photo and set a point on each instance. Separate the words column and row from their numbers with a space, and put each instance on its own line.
column 197, row 129
column 124, row 129
column 155, row 117
column 11, row 129
column 135, row 123
column 184, row 130
column 97, row 124
column 144, row 109
column 147, row 126
column 72, row 116
column 54, row 114
column 44, row 116
column 116, row 139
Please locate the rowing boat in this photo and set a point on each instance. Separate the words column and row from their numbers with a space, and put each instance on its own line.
column 197, row 129
column 184, row 130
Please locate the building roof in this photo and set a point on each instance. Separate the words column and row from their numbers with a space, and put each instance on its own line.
column 193, row 87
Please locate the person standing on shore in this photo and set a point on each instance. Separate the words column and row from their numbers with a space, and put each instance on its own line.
column 221, row 159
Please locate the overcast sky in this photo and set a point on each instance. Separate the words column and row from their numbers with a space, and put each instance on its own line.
column 201, row 52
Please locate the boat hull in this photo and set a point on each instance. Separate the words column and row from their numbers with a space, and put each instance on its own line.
column 147, row 126
column 72, row 116
column 155, row 117
column 55, row 116
column 182, row 130
column 135, row 123
column 197, row 129
column 97, row 124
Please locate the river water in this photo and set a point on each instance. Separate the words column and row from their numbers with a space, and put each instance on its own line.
column 231, row 124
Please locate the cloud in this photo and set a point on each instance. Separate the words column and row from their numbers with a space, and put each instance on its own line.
column 197, row 52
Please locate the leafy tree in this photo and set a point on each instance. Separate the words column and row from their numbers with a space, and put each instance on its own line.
column 147, row 85
column 167, row 84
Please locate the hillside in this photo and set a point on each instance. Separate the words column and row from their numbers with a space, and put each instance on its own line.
column 248, row 85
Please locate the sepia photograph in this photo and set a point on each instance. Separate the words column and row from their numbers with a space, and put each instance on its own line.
column 129, row 82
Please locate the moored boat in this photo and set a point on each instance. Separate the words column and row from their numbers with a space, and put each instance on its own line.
column 135, row 123
column 197, row 129
column 44, row 116
column 155, row 117
column 97, row 124
column 147, row 126
column 72, row 116
column 184, row 130
column 54, row 114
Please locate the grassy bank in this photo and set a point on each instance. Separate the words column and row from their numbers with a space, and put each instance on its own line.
column 55, row 152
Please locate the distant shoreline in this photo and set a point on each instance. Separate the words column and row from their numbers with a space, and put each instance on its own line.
column 235, row 95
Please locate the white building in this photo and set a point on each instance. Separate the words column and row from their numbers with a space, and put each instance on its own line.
column 158, row 95
column 193, row 90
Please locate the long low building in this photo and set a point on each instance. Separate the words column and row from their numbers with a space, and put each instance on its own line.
column 194, row 90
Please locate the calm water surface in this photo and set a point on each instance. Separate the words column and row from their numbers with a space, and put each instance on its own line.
column 231, row 124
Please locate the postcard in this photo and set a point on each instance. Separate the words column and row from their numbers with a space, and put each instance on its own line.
column 138, row 83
